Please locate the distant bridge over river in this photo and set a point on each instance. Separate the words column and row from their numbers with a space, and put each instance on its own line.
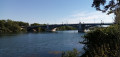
column 81, row 26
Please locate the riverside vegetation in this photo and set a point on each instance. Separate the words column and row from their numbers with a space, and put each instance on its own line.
column 102, row 42
column 16, row 26
column 12, row 26
column 19, row 26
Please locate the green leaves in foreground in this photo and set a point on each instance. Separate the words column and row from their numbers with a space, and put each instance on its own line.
column 103, row 42
column 74, row 53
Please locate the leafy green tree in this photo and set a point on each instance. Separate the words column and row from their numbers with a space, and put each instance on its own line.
column 111, row 6
column 11, row 26
column 2, row 22
column 117, row 17
column 35, row 24
column 103, row 42
column 22, row 24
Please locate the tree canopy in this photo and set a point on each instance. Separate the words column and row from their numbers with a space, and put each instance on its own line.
column 37, row 24
column 12, row 26
column 109, row 6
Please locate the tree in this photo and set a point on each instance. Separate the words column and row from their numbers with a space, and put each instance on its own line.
column 12, row 26
column 35, row 24
column 20, row 23
column 102, row 42
column 112, row 6
column 2, row 22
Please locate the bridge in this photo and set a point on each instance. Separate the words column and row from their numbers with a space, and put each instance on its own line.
column 81, row 26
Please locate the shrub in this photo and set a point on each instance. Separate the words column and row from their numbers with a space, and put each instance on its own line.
column 74, row 53
column 103, row 42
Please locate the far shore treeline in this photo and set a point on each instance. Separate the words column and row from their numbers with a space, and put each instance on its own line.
column 12, row 26
column 19, row 26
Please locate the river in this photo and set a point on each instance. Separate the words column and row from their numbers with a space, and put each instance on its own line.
column 45, row 44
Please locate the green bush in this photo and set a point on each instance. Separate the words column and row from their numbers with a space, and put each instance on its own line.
column 74, row 53
column 103, row 42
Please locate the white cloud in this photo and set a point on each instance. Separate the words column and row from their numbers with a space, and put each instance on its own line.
column 89, row 17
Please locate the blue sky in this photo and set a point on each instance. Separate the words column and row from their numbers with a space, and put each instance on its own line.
column 51, row 11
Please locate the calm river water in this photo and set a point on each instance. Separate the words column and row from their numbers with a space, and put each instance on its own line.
column 39, row 44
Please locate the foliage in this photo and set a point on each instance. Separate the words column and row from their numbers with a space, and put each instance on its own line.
column 74, row 53
column 117, row 16
column 37, row 24
column 22, row 24
column 11, row 26
column 38, row 29
column 101, row 42
column 104, row 42
column 110, row 5
column 66, row 28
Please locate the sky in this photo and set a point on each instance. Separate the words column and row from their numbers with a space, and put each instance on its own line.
column 52, row 11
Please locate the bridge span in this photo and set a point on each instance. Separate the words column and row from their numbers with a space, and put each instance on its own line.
column 81, row 26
